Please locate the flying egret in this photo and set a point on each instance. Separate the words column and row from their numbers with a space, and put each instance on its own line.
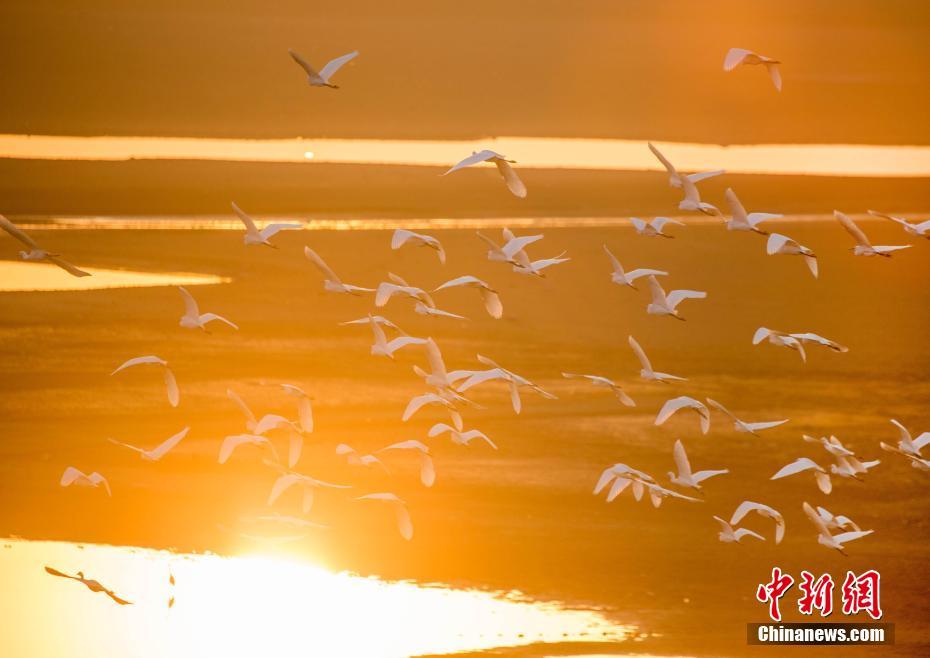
column 620, row 477
column 764, row 511
column 514, row 184
column 458, row 436
column 622, row 278
column 781, row 339
column 647, row 372
column 492, row 301
column 779, row 244
column 421, row 401
column 654, row 228
column 230, row 443
column 824, row 538
column 512, row 250
column 908, row 444
column 331, row 281
column 742, row 426
column 729, row 535
column 663, row 304
column 37, row 253
column 382, row 347
column 812, row 338
column 375, row 319
column 916, row 461
column 685, row 476
column 740, row 220
column 658, row 493
column 404, row 524
column 851, row 467
column 920, row 230
column 742, row 57
column 322, row 79
column 171, row 384
column 402, row 237
column 692, row 200
column 832, row 445
column 399, row 286
column 193, row 318
column 255, row 237
column 307, row 484
column 497, row 372
column 355, row 458
column 674, row 178
column 684, row 402
column 159, row 451
column 863, row 246
column 836, row 521
column 92, row 585
column 604, row 382
column 73, row 476
column 536, row 267
column 427, row 468
column 802, row 464
column 304, row 407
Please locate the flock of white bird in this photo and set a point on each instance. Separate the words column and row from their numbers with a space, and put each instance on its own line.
column 446, row 390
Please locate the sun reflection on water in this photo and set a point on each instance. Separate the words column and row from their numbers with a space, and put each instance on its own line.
column 18, row 276
column 256, row 606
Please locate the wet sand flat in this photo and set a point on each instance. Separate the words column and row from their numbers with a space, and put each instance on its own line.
column 522, row 517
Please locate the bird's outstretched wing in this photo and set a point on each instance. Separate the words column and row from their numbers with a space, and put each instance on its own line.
column 665, row 162
column 170, row 443
column 320, row 264
column 734, row 58
column 852, row 229
column 640, row 354
column 66, row 266
column 474, row 158
column 514, row 184
column 18, row 233
column 681, row 459
column 191, row 308
column 273, row 229
column 335, row 64
column 309, row 70
column 249, row 224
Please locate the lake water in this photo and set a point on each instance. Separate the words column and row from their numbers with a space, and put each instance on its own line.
column 530, row 152
column 18, row 276
column 256, row 605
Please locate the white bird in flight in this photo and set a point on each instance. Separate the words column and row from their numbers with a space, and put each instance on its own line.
column 383, row 347
column 836, row 521
column 781, row 339
column 513, row 249
column 663, row 304
column 831, row 444
column 304, row 407
column 742, row 426
column 421, row 401
column 604, row 382
column 658, row 493
column 740, row 220
column 230, row 443
column 171, row 384
column 920, row 229
column 331, row 281
column 404, row 524
column 674, row 178
column 824, row 538
column 92, row 585
column 620, row 476
column 515, row 382
column 427, row 468
column 307, row 484
column 536, row 267
column 376, row 319
column 399, row 286
column 685, row 476
column 622, row 278
column 684, row 402
column 808, row 338
column 73, row 476
column 355, row 458
column 779, row 244
column 764, row 511
column 908, row 444
column 37, row 253
column 692, row 200
column 322, row 78
column 802, row 464
column 492, row 301
column 255, row 237
column 458, row 436
column 193, row 318
column 655, row 227
column 514, row 184
column 647, row 372
column 852, row 467
column 863, row 246
column 402, row 237
column 740, row 56
column 730, row 535
column 160, row 450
